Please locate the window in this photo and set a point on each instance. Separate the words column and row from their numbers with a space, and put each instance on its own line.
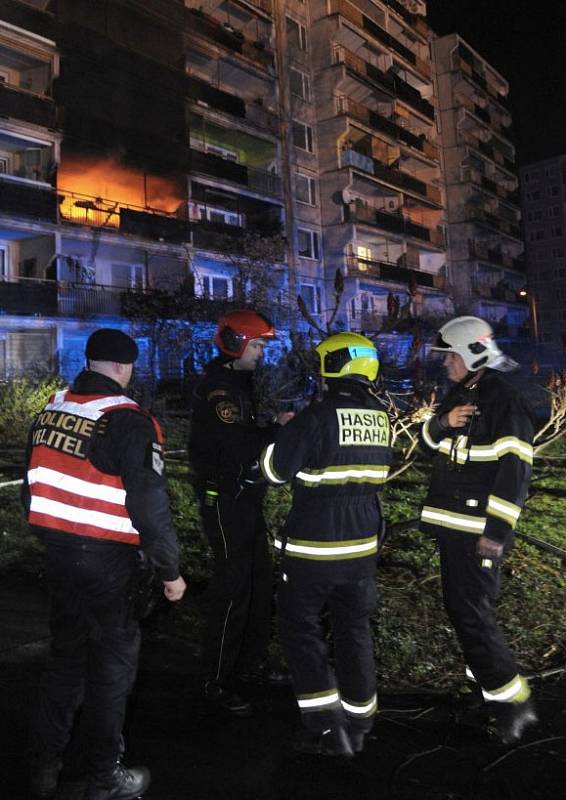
column 554, row 211
column 536, row 236
column 296, row 34
column 300, row 84
column 302, row 136
column 533, row 195
column 553, row 191
column 364, row 255
column 3, row 263
column 557, row 252
column 311, row 297
column 3, row 165
column 216, row 288
column 556, row 231
column 308, row 243
column 305, row 189
column 128, row 276
column 560, row 273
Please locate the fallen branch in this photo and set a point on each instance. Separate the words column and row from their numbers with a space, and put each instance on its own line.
column 522, row 747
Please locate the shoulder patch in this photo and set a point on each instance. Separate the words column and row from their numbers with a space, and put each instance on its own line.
column 226, row 411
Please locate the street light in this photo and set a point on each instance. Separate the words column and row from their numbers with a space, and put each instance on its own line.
column 532, row 311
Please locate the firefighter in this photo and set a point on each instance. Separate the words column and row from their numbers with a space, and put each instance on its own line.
column 95, row 491
column 337, row 453
column 481, row 441
column 224, row 449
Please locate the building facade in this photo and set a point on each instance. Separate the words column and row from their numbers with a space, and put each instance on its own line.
column 225, row 144
column 481, row 186
column 543, row 199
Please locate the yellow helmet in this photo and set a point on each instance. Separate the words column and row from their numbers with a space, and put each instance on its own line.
column 348, row 355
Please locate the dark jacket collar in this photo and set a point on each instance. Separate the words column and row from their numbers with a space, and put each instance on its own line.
column 89, row 382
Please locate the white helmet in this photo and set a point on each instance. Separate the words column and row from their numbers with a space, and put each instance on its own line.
column 472, row 339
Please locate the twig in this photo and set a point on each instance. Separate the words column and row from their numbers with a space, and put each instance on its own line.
column 415, row 756
column 522, row 747
column 422, row 713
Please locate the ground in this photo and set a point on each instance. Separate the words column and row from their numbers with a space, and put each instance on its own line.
column 424, row 746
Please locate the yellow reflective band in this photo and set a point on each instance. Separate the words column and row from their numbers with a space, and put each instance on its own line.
column 318, row 700
column 345, row 473
column 361, row 709
column 503, row 509
column 490, row 452
column 511, row 692
column 266, row 465
column 449, row 519
column 330, row 551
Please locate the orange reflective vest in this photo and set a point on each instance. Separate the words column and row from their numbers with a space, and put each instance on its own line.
column 68, row 493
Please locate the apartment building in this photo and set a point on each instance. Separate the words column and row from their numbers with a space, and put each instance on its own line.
column 484, row 243
column 543, row 200
column 379, row 159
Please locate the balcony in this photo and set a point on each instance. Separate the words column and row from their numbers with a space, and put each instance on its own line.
column 28, row 18
column 207, row 95
column 395, row 223
column 368, row 25
column 204, row 25
column 27, row 106
column 388, row 81
column 392, row 273
column 352, row 158
column 385, row 125
column 257, row 180
column 28, row 297
column 23, row 199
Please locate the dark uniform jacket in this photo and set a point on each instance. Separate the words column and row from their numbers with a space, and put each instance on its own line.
column 225, row 439
column 124, row 443
column 480, row 473
column 337, row 453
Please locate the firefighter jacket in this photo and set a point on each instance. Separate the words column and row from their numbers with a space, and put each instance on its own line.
column 480, row 473
column 337, row 453
column 95, row 473
column 225, row 438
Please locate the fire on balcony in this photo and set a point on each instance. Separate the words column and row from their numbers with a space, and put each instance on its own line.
column 105, row 185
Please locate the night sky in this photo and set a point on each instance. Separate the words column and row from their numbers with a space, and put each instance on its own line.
column 525, row 41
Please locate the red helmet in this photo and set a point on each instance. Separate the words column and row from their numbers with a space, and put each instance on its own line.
column 237, row 328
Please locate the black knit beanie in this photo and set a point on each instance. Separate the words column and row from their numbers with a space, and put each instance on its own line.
column 110, row 344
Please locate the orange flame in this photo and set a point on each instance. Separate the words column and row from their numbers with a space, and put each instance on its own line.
column 94, row 189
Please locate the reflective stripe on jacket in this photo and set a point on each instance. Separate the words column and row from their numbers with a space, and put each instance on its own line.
column 67, row 492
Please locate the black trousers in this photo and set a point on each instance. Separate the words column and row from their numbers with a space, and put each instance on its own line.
column 328, row 697
column 470, row 590
column 94, row 652
column 240, row 592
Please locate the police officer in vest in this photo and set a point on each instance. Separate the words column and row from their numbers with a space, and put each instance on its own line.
column 95, row 491
column 481, row 442
column 337, row 454
column 224, row 449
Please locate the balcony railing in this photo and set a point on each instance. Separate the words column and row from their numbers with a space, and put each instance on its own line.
column 386, row 80
column 380, row 123
column 392, row 273
column 28, row 296
column 396, row 223
column 28, row 201
column 352, row 158
column 367, row 24
column 203, row 92
column 210, row 28
column 257, row 180
column 27, row 106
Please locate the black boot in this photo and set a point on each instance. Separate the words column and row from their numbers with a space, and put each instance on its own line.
column 510, row 720
column 357, row 740
column 330, row 742
column 217, row 699
column 43, row 777
column 121, row 784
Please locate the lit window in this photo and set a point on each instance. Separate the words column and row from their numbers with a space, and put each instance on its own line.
column 311, row 297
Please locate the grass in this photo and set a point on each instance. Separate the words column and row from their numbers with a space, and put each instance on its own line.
column 415, row 645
